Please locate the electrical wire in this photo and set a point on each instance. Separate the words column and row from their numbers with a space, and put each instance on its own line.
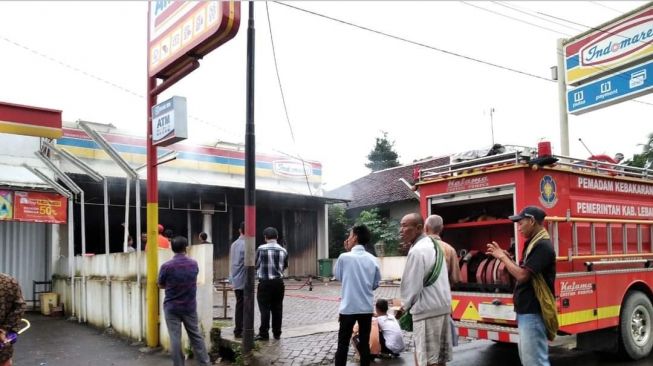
column 598, row 3
column 520, row 10
column 237, row 136
column 136, row 94
column 71, row 67
column 595, row 29
column 402, row 39
column 565, row 34
column 283, row 98
column 469, row 58
column 513, row 18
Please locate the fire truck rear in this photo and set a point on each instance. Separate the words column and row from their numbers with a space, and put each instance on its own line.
column 600, row 218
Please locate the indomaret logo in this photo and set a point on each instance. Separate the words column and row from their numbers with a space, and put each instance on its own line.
column 292, row 168
column 618, row 43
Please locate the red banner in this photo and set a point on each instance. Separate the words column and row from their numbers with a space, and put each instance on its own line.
column 40, row 207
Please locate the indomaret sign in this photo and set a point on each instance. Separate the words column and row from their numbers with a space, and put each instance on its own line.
column 181, row 31
column 611, row 47
column 611, row 63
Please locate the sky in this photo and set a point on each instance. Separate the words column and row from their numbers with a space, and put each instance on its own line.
column 343, row 85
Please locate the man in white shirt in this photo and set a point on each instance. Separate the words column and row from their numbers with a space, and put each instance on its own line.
column 390, row 336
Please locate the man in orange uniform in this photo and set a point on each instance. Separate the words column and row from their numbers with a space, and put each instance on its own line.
column 164, row 243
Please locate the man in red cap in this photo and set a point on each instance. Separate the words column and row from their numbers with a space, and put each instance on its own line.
column 164, row 243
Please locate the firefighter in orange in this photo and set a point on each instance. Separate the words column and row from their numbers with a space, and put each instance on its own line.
column 163, row 242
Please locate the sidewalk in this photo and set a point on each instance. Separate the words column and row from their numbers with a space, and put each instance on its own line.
column 310, row 326
column 58, row 342
column 309, row 337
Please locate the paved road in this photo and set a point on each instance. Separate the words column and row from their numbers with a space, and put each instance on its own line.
column 487, row 353
column 57, row 342
column 309, row 338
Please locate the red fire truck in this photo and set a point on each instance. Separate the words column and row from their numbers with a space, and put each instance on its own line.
column 600, row 218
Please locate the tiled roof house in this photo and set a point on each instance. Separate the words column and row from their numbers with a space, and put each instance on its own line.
column 384, row 190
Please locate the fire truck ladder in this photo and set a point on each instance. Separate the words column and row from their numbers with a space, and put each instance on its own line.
column 595, row 259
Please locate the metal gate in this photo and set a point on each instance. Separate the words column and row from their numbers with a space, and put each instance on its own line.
column 24, row 253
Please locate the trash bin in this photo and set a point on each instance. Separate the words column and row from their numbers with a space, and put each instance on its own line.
column 324, row 268
column 48, row 300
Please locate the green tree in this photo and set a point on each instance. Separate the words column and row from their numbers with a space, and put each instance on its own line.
column 382, row 229
column 338, row 229
column 641, row 160
column 382, row 155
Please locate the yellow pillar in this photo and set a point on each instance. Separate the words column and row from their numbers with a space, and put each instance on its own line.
column 152, row 294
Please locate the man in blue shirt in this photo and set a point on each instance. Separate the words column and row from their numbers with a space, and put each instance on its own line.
column 178, row 277
column 359, row 274
column 271, row 261
column 237, row 275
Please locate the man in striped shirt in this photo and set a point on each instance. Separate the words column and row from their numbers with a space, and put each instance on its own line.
column 271, row 261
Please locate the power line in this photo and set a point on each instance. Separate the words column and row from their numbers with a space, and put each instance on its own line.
column 132, row 92
column 398, row 38
column 565, row 34
column 71, row 67
column 598, row 3
column 431, row 47
column 517, row 9
column 594, row 29
column 515, row 19
column 283, row 98
column 535, row 25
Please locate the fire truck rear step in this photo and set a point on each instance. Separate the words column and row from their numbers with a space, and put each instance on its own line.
column 487, row 331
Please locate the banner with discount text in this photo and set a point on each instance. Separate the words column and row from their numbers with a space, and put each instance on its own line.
column 40, row 207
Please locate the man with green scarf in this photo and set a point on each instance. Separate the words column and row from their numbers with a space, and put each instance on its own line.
column 533, row 297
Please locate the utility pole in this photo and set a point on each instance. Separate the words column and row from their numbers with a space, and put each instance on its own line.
column 250, row 195
column 562, row 100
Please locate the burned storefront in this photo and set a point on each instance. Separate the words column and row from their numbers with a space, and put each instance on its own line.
column 200, row 190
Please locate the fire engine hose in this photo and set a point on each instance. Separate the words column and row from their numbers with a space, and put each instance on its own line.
column 489, row 271
column 464, row 270
column 495, row 272
column 503, row 277
column 481, row 271
column 12, row 337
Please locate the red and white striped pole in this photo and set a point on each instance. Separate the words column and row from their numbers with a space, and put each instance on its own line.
column 250, row 195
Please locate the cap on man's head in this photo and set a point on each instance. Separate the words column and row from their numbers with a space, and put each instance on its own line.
column 160, row 228
column 533, row 212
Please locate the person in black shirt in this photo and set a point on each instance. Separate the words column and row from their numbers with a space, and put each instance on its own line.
column 538, row 257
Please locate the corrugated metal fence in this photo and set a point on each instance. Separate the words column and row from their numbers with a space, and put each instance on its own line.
column 300, row 240
column 23, row 253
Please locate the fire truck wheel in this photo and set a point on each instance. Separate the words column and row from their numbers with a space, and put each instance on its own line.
column 636, row 324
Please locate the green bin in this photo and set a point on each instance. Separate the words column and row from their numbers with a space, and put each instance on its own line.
column 324, row 268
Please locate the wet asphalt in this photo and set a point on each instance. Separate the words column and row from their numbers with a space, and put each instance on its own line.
column 57, row 342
